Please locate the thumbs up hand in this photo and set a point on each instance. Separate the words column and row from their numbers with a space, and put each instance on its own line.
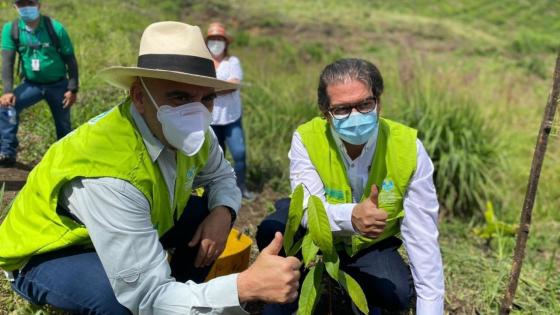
column 271, row 278
column 367, row 219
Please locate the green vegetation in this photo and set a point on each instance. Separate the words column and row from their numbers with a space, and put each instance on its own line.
column 319, row 254
column 494, row 228
column 478, row 69
column 463, row 148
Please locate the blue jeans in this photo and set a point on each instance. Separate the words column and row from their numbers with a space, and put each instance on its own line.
column 379, row 269
column 73, row 279
column 28, row 94
column 232, row 136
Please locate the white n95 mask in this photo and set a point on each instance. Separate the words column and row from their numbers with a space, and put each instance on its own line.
column 184, row 126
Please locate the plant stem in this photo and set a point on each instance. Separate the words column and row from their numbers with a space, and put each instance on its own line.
column 536, row 166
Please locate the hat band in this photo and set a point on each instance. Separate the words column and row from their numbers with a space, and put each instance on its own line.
column 180, row 63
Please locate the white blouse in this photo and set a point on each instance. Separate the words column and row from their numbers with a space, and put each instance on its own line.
column 227, row 107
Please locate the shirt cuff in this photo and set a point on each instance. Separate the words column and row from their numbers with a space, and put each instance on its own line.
column 222, row 293
column 226, row 202
column 429, row 307
column 8, row 87
column 225, row 195
column 342, row 216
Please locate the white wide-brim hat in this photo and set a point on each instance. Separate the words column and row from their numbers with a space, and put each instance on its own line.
column 170, row 51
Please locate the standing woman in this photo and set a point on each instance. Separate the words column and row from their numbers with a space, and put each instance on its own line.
column 226, row 115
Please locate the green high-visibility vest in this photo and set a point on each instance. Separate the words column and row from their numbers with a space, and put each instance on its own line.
column 109, row 145
column 393, row 165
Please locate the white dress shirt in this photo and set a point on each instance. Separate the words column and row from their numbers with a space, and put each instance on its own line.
column 418, row 228
column 227, row 107
column 117, row 216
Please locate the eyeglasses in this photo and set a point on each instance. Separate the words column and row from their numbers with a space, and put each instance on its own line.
column 343, row 111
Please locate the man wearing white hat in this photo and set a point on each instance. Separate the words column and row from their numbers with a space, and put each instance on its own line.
column 89, row 231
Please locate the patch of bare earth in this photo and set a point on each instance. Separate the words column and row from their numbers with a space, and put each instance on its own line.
column 12, row 179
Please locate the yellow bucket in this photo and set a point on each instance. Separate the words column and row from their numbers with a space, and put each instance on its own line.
column 235, row 257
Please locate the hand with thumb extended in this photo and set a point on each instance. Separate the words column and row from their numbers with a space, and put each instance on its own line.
column 374, row 195
column 275, row 246
column 367, row 219
column 271, row 278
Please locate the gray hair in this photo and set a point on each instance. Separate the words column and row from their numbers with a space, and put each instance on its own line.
column 345, row 70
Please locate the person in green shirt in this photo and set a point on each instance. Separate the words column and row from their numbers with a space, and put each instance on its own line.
column 48, row 68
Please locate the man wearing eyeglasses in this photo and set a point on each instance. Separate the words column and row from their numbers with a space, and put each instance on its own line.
column 375, row 180
column 49, row 70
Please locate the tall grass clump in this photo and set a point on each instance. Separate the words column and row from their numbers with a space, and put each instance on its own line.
column 270, row 119
column 463, row 148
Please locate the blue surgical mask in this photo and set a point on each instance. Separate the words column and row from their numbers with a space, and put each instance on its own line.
column 29, row 14
column 357, row 128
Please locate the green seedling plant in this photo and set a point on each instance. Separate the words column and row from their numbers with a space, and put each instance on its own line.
column 319, row 253
column 493, row 226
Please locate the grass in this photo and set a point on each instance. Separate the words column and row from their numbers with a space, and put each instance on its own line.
column 461, row 144
column 494, row 57
column 476, row 272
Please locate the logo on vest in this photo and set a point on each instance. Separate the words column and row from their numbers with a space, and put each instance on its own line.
column 388, row 196
column 334, row 193
column 388, row 185
column 190, row 178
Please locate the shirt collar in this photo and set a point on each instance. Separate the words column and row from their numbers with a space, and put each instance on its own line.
column 369, row 147
column 153, row 145
column 29, row 29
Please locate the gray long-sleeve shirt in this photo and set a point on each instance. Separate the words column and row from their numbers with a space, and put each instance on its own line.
column 117, row 216
column 9, row 50
column 8, row 63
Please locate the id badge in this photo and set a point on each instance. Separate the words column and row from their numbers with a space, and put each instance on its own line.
column 35, row 65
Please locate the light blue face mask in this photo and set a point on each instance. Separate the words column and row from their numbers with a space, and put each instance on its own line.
column 29, row 14
column 357, row 128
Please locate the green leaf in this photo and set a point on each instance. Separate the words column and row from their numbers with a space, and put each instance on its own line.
column 318, row 225
column 310, row 290
column 332, row 264
column 354, row 290
column 295, row 213
column 308, row 249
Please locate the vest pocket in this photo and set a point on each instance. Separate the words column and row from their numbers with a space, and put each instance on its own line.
column 392, row 203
